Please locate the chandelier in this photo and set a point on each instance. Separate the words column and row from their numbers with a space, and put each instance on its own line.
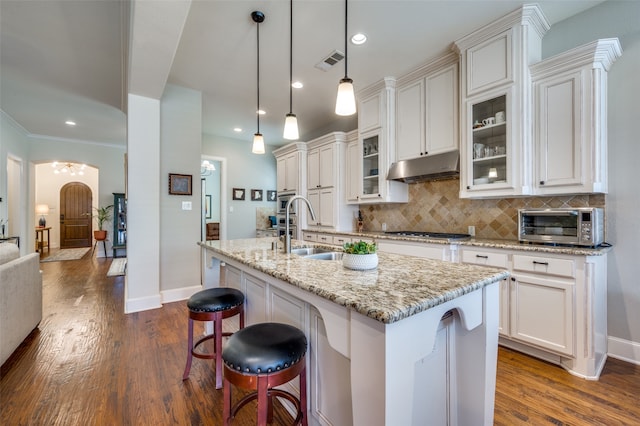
column 71, row 168
column 207, row 168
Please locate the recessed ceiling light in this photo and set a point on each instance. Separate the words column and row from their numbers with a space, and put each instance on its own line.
column 297, row 85
column 70, row 123
column 358, row 38
column 261, row 112
column 237, row 129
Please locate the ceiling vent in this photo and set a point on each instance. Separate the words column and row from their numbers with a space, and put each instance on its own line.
column 327, row 63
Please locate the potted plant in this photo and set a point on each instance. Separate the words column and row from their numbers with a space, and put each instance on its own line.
column 360, row 255
column 102, row 215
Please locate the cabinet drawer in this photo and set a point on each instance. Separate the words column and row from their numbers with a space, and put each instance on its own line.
column 498, row 260
column 339, row 240
column 544, row 265
column 324, row 239
column 310, row 236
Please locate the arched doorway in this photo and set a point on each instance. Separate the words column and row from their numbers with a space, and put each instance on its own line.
column 75, row 215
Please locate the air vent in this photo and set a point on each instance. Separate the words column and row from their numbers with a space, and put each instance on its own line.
column 328, row 62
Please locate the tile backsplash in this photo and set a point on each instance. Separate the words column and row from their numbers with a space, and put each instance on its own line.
column 436, row 206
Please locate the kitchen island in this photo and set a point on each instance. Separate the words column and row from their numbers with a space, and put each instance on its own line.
column 412, row 342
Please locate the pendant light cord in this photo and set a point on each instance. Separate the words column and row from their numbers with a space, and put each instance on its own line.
column 290, row 57
column 345, row 39
column 258, row 75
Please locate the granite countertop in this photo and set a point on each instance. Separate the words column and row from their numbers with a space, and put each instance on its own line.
column 401, row 286
column 480, row 242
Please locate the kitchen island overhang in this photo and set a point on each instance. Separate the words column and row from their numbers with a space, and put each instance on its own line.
column 387, row 323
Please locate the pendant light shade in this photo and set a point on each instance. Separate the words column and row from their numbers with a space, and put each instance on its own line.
column 291, row 121
column 346, row 99
column 258, row 140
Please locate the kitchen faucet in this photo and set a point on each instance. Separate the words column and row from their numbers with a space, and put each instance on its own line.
column 287, row 236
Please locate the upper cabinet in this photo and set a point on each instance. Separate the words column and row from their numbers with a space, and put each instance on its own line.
column 570, row 116
column 376, row 145
column 352, row 190
column 321, row 163
column 291, row 167
column 427, row 110
column 495, row 85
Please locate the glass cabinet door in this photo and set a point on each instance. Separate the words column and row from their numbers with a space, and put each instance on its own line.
column 370, row 166
column 489, row 150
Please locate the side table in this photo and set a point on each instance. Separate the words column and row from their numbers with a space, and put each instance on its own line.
column 40, row 243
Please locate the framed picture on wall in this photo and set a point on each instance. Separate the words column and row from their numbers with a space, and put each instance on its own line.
column 207, row 206
column 256, row 195
column 179, row 184
column 271, row 195
column 238, row 194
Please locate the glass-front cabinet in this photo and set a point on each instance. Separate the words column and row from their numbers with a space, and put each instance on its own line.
column 370, row 166
column 489, row 150
column 119, row 225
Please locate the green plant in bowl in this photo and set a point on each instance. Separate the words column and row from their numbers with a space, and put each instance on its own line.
column 360, row 247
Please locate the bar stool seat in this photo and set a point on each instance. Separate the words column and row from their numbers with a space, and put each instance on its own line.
column 213, row 304
column 259, row 358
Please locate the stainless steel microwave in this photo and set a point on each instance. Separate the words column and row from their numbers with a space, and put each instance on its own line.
column 580, row 226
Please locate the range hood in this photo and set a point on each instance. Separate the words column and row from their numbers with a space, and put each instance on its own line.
column 431, row 167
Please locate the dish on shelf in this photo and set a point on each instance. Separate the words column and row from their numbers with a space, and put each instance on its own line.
column 480, row 180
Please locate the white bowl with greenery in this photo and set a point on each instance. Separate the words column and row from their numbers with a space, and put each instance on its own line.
column 360, row 256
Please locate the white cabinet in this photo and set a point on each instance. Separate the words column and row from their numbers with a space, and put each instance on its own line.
column 376, row 145
column 321, row 164
column 255, row 309
column 494, row 67
column 290, row 168
column 351, row 172
column 497, row 260
column 570, row 116
column 427, row 110
column 326, row 166
column 418, row 249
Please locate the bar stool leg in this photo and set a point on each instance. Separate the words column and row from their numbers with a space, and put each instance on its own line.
column 217, row 346
column 263, row 401
column 187, row 368
column 226, row 411
column 303, row 395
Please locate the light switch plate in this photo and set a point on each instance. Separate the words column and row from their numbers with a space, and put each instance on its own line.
column 186, row 205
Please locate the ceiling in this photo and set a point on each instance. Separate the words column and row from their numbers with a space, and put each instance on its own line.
column 67, row 59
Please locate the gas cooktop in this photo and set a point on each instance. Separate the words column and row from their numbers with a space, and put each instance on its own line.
column 427, row 234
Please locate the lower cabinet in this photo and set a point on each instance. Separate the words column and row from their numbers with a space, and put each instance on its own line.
column 425, row 250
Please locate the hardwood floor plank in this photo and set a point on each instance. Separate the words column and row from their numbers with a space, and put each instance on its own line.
column 90, row 364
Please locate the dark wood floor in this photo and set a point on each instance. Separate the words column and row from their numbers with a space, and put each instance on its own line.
column 90, row 364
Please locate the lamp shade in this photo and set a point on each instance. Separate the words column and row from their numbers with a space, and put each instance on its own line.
column 42, row 209
column 291, row 127
column 258, row 144
column 346, row 99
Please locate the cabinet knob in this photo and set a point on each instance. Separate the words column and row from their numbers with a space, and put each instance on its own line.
column 468, row 187
column 422, row 153
column 513, row 278
column 541, row 182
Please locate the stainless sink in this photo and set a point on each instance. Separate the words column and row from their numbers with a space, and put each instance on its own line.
column 307, row 251
column 333, row 255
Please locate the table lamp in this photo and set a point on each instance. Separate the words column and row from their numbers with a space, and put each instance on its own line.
column 42, row 210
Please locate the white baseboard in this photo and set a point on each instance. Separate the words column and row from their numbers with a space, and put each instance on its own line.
column 624, row 350
column 142, row 304
column 178, row 294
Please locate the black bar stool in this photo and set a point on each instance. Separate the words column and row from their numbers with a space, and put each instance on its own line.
column 259, row 358
column 213, row 304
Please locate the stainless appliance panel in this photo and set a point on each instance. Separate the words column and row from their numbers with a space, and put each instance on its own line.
column 580, row 226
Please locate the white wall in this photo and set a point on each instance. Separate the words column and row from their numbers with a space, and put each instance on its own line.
column 244, row 170
column 616, row 19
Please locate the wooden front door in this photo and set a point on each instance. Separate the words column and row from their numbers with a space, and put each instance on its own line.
column 75, row 215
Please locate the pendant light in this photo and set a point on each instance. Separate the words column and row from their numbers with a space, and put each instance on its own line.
column 346, row 100
column 291, row 121
column 258, row 140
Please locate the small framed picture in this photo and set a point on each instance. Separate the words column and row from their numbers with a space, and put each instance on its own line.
column 238, row 194
column 271, row 195
column 256, row 194
column 179, row 184
column 207, row 206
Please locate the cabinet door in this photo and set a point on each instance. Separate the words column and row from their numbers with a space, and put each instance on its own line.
column 313, row 169
column 327, row 166
column 327, row 207
column 434, row 251
column 314, row 198
column 232, row 278
column 281, row 174
column 255, row 301
column 441, row 111
column 558, row 139
column 542, row 312
column 287, row 309
column 292, row 170
column 352, row 177
column 369, row 114
column 370, row 167
column 489, row 64
column 410, row 121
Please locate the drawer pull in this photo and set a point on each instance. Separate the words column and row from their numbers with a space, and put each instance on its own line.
column 535, row 262
column 481, row 256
